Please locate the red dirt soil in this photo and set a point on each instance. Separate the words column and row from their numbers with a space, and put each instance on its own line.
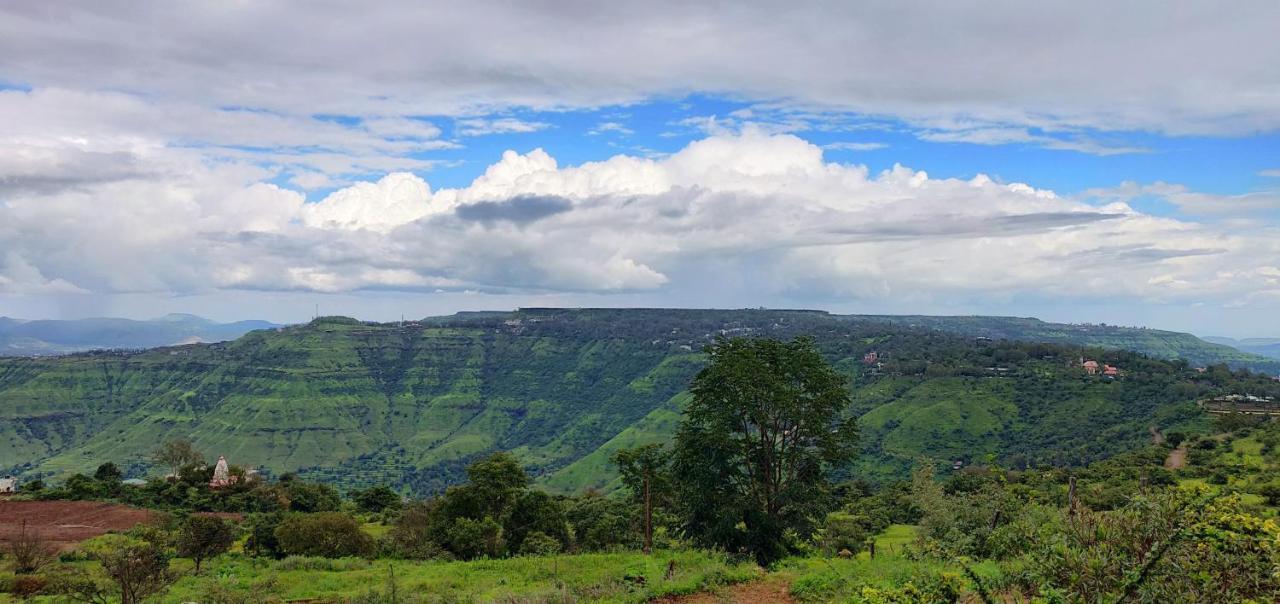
column 756, row 592
column 66, row 523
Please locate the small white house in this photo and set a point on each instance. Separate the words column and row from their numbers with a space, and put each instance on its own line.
column 8, row 485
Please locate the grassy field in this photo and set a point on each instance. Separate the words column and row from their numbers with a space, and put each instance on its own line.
column 619, row 578
column 820, row 579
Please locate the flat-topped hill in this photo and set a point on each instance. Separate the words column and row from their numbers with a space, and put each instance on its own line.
column 411, row 403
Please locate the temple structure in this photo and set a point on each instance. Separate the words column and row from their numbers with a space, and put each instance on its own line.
column 221, row 474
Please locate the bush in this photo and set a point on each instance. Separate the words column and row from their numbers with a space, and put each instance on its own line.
column 130, row 569
column 538, row 543
column 845, row 531
column 325, row 534
column 204, row 537
column 469, row 539
column 262, row 540
column 29, row 551
column 411, row 536
column 27, row 586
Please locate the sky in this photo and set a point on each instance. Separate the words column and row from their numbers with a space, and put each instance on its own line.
column 1078, row 161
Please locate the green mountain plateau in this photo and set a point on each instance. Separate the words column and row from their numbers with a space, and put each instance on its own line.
column 410, row 404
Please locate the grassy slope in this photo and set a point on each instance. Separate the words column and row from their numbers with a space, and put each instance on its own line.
column 410, row 405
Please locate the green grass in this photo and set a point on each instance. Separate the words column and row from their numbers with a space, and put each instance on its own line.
column 817, row 579
column 894, row 539
column 587, row 577
column 607, row 578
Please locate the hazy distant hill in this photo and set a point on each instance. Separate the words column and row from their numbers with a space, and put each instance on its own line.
column 411, row 404
column 1267, row 347
column 1153, row 342
column 48, row 337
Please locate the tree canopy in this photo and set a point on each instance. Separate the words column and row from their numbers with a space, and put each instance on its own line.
column 766, row 425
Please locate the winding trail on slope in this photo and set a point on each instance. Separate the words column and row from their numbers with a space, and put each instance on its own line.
column 1177, row 458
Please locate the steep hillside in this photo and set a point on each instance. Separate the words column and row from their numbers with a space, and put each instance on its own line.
column 411, row 404
column 1152, row 342
column 50, row 337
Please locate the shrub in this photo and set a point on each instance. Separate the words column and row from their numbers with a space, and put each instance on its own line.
column 325, row 534
column 411, row 536
column 29, row 551
column 842, row 531
column 131, row 570
column 469, row 539
column 1162, row 548
column 538, row 543
column 262, row 536
column 108, row 473
column 27, row 586
column 203, row 537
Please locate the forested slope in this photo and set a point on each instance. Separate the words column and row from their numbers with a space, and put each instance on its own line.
column 1157, row 343
column 411, row 404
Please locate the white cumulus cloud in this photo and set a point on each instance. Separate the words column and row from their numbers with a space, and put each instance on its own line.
column 764, row 215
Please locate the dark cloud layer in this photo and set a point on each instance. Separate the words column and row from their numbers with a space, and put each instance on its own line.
column 519, row 210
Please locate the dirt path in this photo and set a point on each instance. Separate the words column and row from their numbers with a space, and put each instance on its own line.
column 1177, row 458
column 771, row 590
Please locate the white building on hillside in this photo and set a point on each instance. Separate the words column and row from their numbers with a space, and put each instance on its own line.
column 8, row 485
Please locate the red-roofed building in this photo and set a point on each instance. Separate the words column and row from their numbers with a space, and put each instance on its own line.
column 1109, row 370
column 1090, row 367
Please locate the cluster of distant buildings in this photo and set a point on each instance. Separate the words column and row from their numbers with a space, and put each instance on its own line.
column 1092, row 367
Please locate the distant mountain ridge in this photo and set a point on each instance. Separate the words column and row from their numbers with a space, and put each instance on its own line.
column 42, row 337
column 410, row 404
column 1156, row 343
column 1267, row 347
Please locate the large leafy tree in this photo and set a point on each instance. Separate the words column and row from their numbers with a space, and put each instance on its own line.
column 753, row 453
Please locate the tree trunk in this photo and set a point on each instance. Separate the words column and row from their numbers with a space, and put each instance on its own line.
column 648, row 518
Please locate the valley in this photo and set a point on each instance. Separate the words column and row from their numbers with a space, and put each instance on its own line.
column 411, row 404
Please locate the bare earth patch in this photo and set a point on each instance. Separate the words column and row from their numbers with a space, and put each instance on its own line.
column 66, row 523
column 1177, row 458
column 770, row 590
